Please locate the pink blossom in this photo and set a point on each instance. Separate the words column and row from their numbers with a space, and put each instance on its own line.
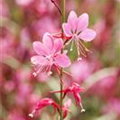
column 49, row 54
column 75, row 89
column 43, row 103
column 77, row 28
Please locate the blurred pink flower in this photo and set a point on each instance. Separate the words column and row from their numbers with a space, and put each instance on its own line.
column 24, row 2
column 101, row 88
column 23, row 93
column 49, row 54
column 114, row 105
column 7, row 42
column 78, row 68
column 15, row 114
column 43, row 103
column 9, row 85
column 44, row 7
column 51, row 25
column 4, row 11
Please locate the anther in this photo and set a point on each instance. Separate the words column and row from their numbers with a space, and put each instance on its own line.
column 49, row 73
column 79, row 59
column 32, row 114
column 34, row 74
column 82, row 109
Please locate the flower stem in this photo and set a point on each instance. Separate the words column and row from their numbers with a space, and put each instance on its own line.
column 61, row 71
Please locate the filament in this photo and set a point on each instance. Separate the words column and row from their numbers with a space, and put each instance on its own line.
column 43, row 68
column 32, row 114
column 82, row 109
column 71, row 47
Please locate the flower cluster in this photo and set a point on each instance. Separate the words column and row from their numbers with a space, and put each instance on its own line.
column 50, row 53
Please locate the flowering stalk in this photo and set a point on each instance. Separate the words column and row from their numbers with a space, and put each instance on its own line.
column 61, row 71
column 50, row 53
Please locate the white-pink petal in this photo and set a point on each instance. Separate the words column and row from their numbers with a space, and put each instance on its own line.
column 72, row 20
column 39, row 48
column 38, row 60
column 48, row 42
column 62, row 60
column 58, row 45
column 82, row 22
column 66, row 29
column 87, row 35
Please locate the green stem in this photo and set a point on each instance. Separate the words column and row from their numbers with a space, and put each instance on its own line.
column 61, row 71
column 63, row 11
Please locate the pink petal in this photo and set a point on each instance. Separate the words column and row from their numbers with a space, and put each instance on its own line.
column 87, row 35
column 72, row 20
column 39, row 48
column 83, row 22
column 58, row 44
column 77, row 98
column 66, row 29
column 38, row 60
column 67, row 103
column 48, row 42
column 62, row 60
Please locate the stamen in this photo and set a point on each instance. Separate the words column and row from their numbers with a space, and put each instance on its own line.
column 82, row 109
column 40, row 68
column 79, row 59
column 71, row 47
column 78, row 49
column 50, row 72
column 68, row 41
column 32, row 114
column 47, row 70
column 82, row 48
column 34, row 74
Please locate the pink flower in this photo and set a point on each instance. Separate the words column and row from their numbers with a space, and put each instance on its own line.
column 43, row 103
column 49, row 54
column 75, row 89
column 77, row 28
